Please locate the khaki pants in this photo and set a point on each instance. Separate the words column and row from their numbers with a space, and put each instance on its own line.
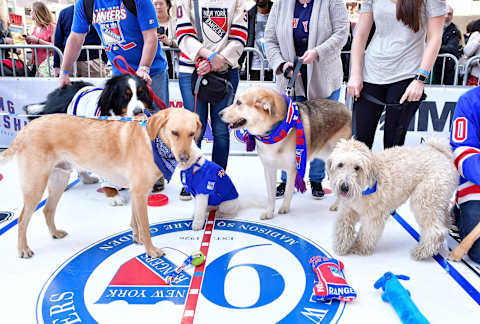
column 97, row 69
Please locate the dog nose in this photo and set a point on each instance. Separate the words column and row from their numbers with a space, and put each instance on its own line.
column 184, row 157
column 344, row 188
column 137, row 111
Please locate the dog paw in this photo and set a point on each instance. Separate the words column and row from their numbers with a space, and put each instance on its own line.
column 196, row 225
column 88, row 179
column 266, row 215
column 284, row 209
column 117, row 201
column 457, row 254
column 421, row 252
column 25, row 253
column 58, row 234
column 333, row 208
column 341, row 249
column 224, row 215
column 136, row 239
column 360, row 250
column 155, row 252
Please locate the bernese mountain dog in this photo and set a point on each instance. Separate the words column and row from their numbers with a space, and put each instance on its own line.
column 123, row 95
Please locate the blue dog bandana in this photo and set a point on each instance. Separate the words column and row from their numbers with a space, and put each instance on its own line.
column 210, row 179
column 164, row 158
column 292, row 119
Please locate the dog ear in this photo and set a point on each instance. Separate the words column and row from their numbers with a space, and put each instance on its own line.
column 371, row 171
column 264, row 103
column 110, row 98
column 199, row 127
column 157, row 122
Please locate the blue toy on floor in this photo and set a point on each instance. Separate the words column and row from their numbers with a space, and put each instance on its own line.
column 399, row 297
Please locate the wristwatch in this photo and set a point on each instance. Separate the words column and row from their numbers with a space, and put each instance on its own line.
column 144, row 68
column 421, row 77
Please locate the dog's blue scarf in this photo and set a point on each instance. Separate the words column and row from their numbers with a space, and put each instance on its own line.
column 162, row 155
column 280, row 131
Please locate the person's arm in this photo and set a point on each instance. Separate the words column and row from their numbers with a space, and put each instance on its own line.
column 362, row 30
column 59, row 40
column 187, row 39
column 340, row 28
column 465, row 141
column 272, row 46
column 434, row 40
column 150, row 45
column 472, row 45
column 70, row 55
column 237, row 37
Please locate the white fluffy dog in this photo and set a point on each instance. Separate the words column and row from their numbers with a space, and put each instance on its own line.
column 370, row 185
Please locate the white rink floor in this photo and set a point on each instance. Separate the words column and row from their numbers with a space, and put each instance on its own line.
column 256, row 271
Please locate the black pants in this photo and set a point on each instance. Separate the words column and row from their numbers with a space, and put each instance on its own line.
column 397, row 118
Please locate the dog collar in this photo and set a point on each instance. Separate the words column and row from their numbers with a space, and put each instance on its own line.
column 371, row 190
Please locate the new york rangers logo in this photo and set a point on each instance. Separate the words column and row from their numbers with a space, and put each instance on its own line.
column 142, row 280
column 214, row 23
column 112, row 33
column 210, row 185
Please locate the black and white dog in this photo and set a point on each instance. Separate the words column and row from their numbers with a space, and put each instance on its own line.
column 123, row 95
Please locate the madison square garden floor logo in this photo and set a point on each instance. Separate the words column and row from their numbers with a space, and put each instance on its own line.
column 253, row 271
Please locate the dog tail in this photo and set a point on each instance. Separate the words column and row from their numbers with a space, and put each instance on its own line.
column 57, row 101
column 440, row 144
column 8, row 154
column 251, row 201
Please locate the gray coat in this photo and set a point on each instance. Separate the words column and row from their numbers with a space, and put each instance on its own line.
column 328, row 36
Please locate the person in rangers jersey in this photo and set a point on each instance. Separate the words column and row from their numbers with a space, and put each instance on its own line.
column 224, row 32
column 465, row 142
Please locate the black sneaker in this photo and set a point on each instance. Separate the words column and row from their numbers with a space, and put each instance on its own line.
column 184, row 195
column 159, row 185
column 280, row 190
column 317, row 190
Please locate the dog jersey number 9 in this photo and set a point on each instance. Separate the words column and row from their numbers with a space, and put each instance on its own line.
column 459, row 132
column 213, row 287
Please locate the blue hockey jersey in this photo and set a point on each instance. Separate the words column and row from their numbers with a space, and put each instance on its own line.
column 465, row 142
column 209, row 179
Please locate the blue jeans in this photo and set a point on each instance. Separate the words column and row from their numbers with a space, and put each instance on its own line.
column 220, row 131
column 467, row 219
column 317, row 166
column 160, row 88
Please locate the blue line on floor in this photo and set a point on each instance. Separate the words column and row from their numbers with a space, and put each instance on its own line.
column 443, row 263
column 40, row 205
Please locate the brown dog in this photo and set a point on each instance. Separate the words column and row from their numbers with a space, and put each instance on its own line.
column 120, row 152
column 258, row 110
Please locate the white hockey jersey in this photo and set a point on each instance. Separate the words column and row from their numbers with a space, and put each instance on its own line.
column 224, row 30
column 85, row 102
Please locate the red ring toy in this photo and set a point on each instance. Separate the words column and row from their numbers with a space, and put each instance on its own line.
column 157, row 200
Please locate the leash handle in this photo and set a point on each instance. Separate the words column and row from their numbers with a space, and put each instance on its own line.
column 129, row 70
column 377, row 101
column 297, row 64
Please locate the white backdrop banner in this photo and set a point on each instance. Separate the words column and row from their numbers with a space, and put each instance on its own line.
column 434, row 115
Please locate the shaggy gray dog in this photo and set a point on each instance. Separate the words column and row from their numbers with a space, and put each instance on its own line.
column 370, row 185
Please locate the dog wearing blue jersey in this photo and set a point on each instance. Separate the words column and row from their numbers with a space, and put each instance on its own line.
column 211, row 186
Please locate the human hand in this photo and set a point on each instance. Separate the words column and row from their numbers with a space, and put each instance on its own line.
column 204, row 67
column 164, row 39
column 145, row 76
column 355, row 86
column 309, row 56
column 413, row 92
column 8, row 40
column 64, row 80
column 289, row 75
column 30, row 39
column 219, row 62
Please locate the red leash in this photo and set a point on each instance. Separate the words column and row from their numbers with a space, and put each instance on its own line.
column 159, row 102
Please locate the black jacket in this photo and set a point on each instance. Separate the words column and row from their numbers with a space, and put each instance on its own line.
column 252, row 15
column 450, row 45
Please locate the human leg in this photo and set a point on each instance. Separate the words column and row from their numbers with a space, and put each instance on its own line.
column 160, row 88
